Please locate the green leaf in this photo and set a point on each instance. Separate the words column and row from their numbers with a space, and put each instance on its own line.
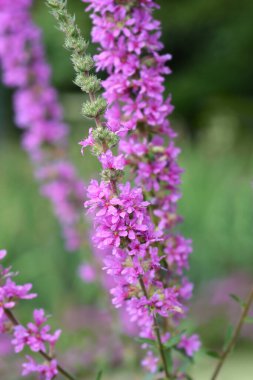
column 249, row 320
column 169, row 360
column 151, row 342
column 228, row 336
column 184, row 354
column 99, row 375
column 173, row 341
column 237, row 299
column 213, row 354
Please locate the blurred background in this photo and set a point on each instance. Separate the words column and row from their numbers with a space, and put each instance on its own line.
column 212, row 86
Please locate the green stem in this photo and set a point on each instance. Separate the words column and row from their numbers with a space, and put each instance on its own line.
column 157, row 333
column 235, row 336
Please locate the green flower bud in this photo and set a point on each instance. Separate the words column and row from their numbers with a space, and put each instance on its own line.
column 93, row 109
column 63, row 20
column 102, row 135
column 158, row 149
column 88, row 84
column 57, row 4
column 111, row 175
column 77, row 44
column 82, row 63
column 97, row 150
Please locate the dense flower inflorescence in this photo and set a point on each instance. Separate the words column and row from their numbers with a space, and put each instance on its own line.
column 38, row 113
column 36, row 335
column 129, row 39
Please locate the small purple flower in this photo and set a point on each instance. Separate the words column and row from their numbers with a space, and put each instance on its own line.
column 5, row 303
column 150, row 362
column 35, row 335
column 47, row 371
column 109, row 161
column 190, row 344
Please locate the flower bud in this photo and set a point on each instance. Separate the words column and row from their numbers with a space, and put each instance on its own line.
column 93, row 109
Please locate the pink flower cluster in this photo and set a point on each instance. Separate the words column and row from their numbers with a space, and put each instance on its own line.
column 124, row 226
column 129, row 40
column 38, row 113
column 10, row 292
column 46, row 371
column 36, row 335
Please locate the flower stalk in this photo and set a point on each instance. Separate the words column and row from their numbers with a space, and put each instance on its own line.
column 158, row 334
column 225, row 353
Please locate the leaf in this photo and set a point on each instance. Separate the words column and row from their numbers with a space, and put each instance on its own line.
column 99, row 375
column 213, row 354
column 169, row 360
column 228, row 336
column 237, row 299
column 249, row 320
column 173, row 341
column 151, row 342
column 182, row 352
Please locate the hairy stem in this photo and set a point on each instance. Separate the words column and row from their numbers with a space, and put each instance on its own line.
column 15, row 322
column 235, row 335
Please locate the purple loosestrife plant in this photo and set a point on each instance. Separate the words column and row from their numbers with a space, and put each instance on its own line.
column 134, row 222
column 125, row 224
column 129, row 39
column 36, row 335
column 38, row 113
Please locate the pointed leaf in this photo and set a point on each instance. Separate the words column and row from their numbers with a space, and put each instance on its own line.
column 169, row 360
column 237, row 299
column 213, row 354
column 99, row 375
column 182, row 352
column 173, row 341
column 151, row 342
